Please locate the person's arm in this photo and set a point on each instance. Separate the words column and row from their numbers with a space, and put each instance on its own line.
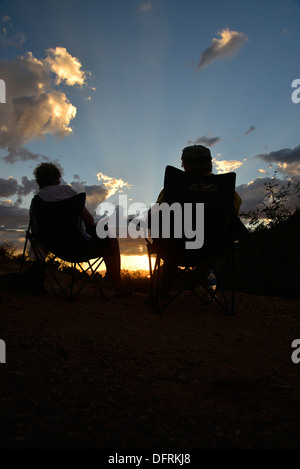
column 87, row 217
column 160, row 198
column 237, row 203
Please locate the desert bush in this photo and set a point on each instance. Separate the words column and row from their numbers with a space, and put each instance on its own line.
column 137, row 281
column 7, row 250
column 53, row 262
column 275, row 208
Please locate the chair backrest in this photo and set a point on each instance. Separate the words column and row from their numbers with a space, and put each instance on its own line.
column 57, row 223
column 215, row 191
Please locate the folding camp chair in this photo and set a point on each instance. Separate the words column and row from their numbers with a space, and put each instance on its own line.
column 54, row 227
column 216, row 192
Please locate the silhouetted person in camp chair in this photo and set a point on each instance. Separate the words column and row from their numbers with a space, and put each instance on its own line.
column 195, row 159
column 47, row 176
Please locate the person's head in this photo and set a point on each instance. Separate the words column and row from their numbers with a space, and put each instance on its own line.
column 47, row 174
column 196, row 159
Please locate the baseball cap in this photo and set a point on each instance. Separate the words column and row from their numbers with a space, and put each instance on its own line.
column 194, row 153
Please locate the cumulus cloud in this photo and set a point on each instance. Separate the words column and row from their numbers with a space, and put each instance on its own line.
column 225, row 166
column 22, row 154
column 9, row 35
column 67, row 68
column 254, row 193
column 286, row 160
column 13, row 222
column 12, row 216
column 225, row 47
column 112, row 185
column 251, row 129
column 206, row 141
column 98, row 193
column 28, row 186
column 34, row 107
column 95, row 194
column 10, row 187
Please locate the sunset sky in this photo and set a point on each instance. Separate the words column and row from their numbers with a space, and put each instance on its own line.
column 113, row 90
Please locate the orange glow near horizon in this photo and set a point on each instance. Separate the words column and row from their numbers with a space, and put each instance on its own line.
column 135, row 263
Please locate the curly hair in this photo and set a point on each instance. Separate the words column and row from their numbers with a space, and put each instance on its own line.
column 46, row 174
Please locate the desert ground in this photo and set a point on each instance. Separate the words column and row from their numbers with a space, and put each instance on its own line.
column 110, row 374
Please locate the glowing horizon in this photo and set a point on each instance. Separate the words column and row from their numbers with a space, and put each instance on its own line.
column 135, row 262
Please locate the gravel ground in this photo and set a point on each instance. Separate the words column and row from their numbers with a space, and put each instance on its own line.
column 96, row 374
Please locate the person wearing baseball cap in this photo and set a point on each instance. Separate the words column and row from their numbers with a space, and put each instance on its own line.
column 195, row 159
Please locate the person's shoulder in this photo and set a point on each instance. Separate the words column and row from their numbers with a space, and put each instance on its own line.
column 68, row 189
column 56, row 192
column 161, row 196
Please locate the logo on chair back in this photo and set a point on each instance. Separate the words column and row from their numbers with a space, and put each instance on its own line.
column 202, row 187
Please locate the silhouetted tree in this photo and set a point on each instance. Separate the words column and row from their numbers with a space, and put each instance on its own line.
column 275, row 208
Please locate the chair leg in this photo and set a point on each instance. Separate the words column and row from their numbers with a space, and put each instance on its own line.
column 150, row 294
column 227, row 305
column 150, row 264
column 23, row 255
column 40, row 257
column 155, row 286
column 93, row 278
column 90, row 278
column 73, row 280
column 233, row 282
column 224, row 300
